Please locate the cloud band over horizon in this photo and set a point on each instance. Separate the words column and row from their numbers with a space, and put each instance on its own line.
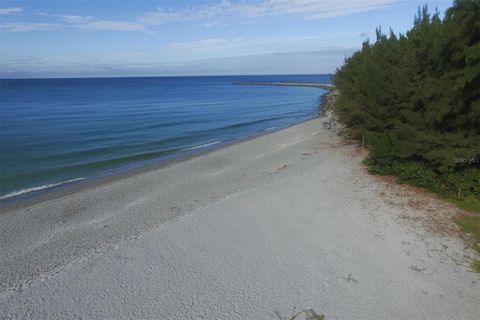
column 99, row 38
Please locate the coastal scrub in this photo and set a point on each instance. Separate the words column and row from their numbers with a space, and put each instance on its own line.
column 414, row 102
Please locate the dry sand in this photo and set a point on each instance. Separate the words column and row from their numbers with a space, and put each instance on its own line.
column 287, row 220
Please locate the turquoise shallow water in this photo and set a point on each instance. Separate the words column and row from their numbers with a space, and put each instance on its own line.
column 58, row 130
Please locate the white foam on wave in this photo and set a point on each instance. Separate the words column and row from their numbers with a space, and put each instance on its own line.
column 16, row 193
column 201, row 146
column 271, row 128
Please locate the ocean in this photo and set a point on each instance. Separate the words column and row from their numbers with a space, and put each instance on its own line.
column 59, row 131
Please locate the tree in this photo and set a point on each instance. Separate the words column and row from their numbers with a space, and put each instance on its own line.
column 415, row 98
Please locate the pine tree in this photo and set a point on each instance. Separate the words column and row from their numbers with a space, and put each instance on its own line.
column 415, row 98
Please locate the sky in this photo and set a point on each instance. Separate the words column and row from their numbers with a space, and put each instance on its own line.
column 92, row 38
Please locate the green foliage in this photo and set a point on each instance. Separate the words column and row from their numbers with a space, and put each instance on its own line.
column 420, row 175
column 476, row 266
column 468, row 203
column 414, row 101
column 460, row 187
column 470, row 224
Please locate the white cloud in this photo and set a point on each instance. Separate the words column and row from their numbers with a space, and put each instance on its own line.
column 88, row 22
column 295, row 62
column 74, row 19
column 5, row 11
column 202, row 45
column 309, row 9
column 212, row 24
column 237, row 46
column 112, row 25
column 27, row 26
column 162, row 16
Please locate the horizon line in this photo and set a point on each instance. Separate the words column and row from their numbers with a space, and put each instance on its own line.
column 168, row 76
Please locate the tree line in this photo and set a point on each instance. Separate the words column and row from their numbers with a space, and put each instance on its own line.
column 414, row 100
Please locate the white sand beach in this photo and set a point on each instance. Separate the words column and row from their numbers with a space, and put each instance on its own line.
column 251, row 231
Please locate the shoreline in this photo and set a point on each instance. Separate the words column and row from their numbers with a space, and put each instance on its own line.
column 114, row 174
column 288, row 219
column 103, row 151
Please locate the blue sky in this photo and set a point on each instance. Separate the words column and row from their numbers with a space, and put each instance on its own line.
column 145, row 38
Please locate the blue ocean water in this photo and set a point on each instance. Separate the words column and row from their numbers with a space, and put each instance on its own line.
column 54, row 131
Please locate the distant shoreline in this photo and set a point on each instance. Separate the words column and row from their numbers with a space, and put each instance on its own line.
column 321, row 85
